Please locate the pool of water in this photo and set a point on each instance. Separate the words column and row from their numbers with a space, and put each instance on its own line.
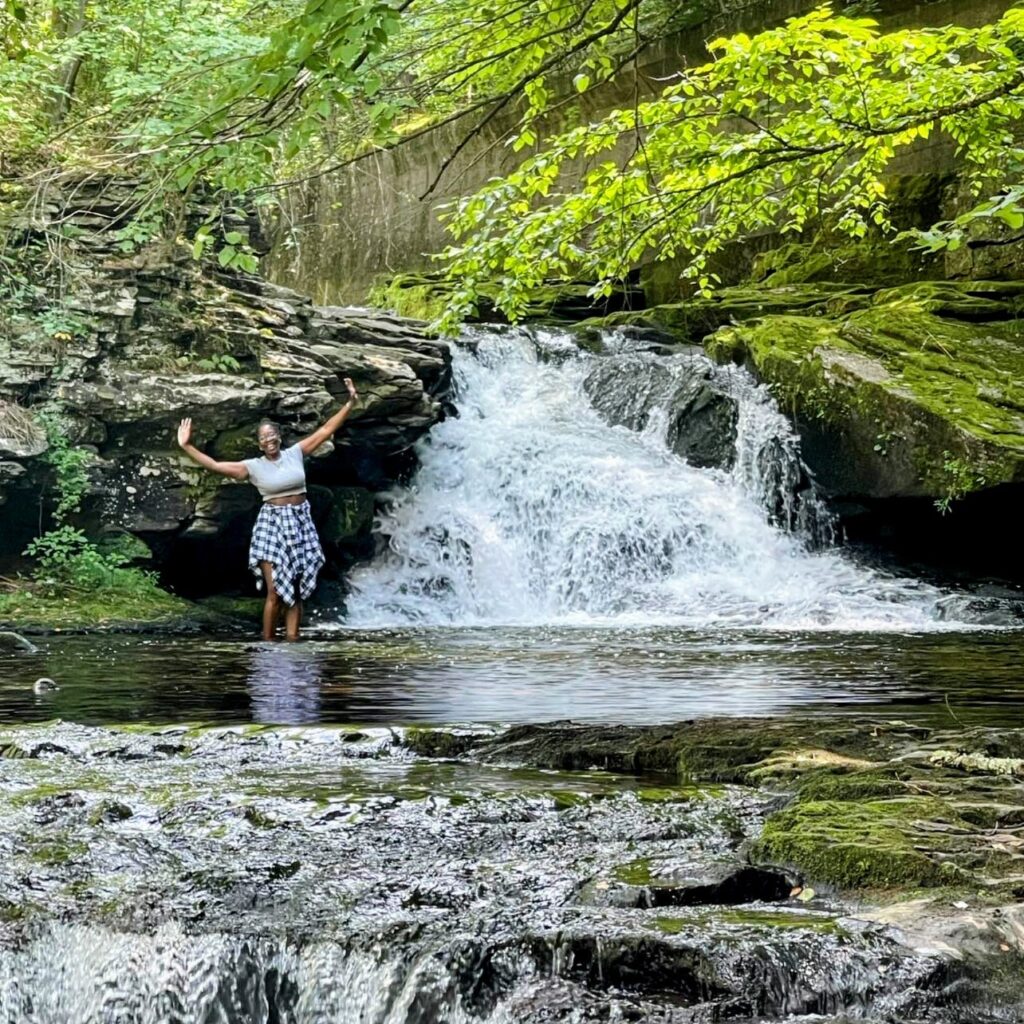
column 519, row 675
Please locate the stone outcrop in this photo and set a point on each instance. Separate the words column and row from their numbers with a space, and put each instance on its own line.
column 909, row 399
column 137, row 340
column 629, row 389
column 916, row 391
column 869, row 804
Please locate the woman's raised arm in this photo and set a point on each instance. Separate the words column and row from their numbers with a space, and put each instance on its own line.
column 321, row 434
column 235, row 470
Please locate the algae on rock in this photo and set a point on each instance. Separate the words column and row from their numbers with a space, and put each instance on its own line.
column 919, row 394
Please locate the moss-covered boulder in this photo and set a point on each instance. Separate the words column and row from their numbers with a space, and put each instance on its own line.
column 878, row 264
column 865, row 804
column 690, row 321
column 859, row 843
column 921, row 393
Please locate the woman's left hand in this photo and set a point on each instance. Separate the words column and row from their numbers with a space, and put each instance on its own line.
column 352, row 393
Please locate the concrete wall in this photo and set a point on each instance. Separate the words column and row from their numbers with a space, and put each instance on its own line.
column 339, row 232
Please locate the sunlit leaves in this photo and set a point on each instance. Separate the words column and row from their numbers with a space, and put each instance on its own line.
column 782, row 131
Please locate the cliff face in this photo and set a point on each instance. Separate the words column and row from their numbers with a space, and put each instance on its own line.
column 127, row 343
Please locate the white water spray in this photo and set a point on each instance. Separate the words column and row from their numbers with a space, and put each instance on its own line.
column 528, row 508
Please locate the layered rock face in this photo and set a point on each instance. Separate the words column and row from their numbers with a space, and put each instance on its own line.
column 129, row 342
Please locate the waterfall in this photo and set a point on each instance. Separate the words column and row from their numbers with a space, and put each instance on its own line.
column 557, row 495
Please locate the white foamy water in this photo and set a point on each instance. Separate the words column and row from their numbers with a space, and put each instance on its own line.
column 528, row 508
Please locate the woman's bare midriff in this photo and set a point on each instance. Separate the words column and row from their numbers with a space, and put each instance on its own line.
column 287, row 499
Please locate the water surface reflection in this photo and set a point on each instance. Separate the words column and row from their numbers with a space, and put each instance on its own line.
column 518, row 675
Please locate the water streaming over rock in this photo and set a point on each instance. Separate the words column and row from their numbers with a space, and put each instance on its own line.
column 326, row 876
column 253, row 875
column 558, row 496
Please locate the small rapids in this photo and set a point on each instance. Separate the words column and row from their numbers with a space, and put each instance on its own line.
column 310, row 875
column 531, row 507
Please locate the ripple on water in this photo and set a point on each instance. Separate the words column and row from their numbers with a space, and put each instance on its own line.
column 444, row 675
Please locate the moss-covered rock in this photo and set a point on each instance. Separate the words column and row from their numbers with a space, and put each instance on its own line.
column 880, row 264
column 425, row 297
column 350, row 516
column 32, row 609
column 862, row 804
column 692, row 320
column 858, row 843
column 895, row 399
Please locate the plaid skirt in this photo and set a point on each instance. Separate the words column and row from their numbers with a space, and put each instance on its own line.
column 285, row 536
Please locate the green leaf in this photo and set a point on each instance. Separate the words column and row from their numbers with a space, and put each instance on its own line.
column 1011, row 215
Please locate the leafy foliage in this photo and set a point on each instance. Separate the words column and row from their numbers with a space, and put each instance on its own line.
column 780, row 132
column 65, row 557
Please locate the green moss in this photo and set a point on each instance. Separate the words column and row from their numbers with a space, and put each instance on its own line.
column 439, row 742
column 106, row 608
column 425, row 297
column 914, row 403
column 243, row 609
column 413, row 296
column 826, row 784
column 676, row 794
column 692, row 320
column 636, row 872
column 754, row 919
column 857, row 844
column 879, row 262
column 53, row 854
column 351, row 515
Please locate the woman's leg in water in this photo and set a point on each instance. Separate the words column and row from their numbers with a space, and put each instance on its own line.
column 272, row 603
column 293, row 615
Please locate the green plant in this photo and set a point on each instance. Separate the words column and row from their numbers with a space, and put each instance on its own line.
column 883, row 441
column 216, row 363
column 62, row 325
column 961, row 478
column 788, row 131
column 65, row 557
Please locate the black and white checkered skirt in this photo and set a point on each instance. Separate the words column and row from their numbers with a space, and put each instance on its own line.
column 285, row 536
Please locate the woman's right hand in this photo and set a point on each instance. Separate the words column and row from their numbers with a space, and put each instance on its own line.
column 185, row 431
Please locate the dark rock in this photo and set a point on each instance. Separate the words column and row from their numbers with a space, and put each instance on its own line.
column 10, row 641
column 628, row 390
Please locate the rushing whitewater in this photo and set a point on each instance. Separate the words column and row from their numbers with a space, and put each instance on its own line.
column 528, row 508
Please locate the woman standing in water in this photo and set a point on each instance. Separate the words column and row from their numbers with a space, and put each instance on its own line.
column 285, row 552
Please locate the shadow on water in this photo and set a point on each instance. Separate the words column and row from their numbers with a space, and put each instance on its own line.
column 519, row 675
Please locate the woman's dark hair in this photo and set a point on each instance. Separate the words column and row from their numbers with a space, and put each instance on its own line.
column 267, row 423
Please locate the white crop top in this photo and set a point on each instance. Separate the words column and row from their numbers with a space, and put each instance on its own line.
column 278, row 478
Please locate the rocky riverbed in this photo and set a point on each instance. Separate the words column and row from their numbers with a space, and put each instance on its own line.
column 556, row 873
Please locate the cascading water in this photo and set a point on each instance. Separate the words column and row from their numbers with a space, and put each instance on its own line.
column 529, row 508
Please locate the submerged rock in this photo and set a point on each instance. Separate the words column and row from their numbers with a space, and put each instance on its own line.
column 10, row 641
column 280, row 874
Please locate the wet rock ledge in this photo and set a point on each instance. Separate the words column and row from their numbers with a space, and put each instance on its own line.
column 869, row 806
column 128, row 337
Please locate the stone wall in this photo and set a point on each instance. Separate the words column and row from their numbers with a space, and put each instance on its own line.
column 339, row 233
